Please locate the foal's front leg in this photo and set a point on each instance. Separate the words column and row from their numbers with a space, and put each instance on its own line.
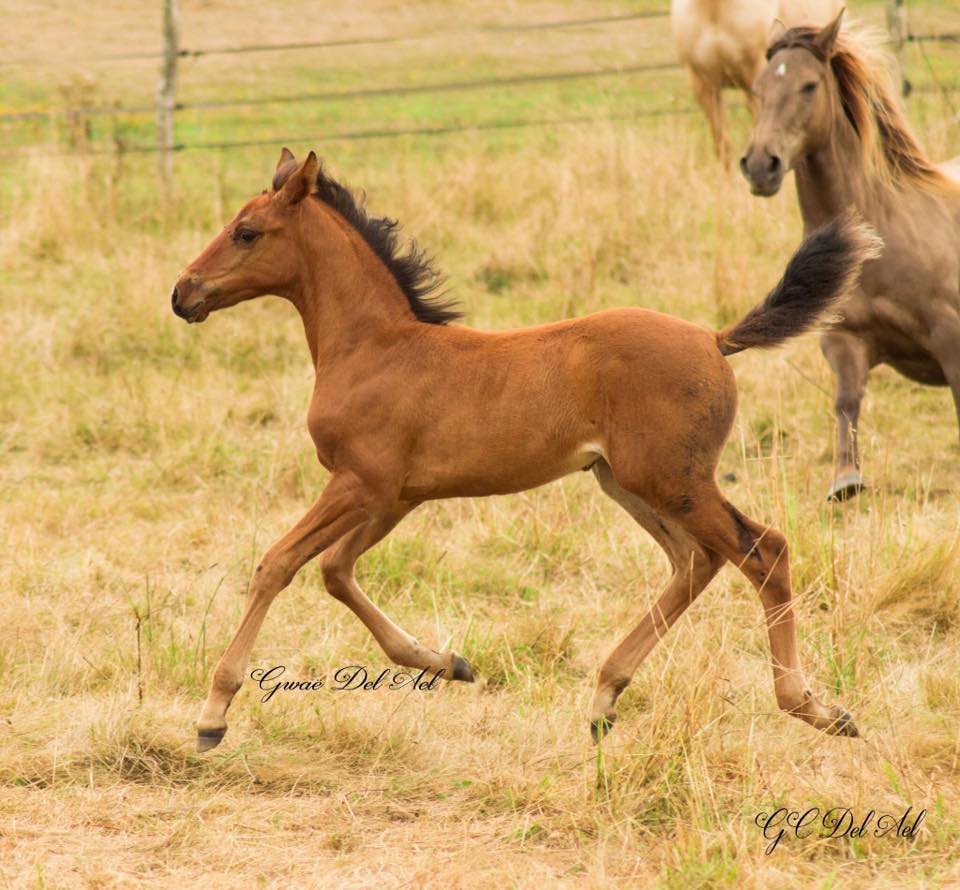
column 341, row 507
column 401, row 648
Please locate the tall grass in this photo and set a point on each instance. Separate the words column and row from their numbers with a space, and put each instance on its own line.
column 145, row 465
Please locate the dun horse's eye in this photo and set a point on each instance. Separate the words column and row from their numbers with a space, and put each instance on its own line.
column 809, row 87
column 246, row 236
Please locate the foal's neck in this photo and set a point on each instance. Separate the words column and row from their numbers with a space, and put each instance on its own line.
column 833, row 176
column 344, row 293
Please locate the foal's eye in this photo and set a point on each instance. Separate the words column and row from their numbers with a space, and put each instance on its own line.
column 245, row 236
column 808, row 88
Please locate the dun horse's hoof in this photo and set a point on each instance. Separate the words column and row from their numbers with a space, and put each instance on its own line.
column 844, row 487
column 461, row 669
column 843, row 725
column 209, row 738
column 601, row 726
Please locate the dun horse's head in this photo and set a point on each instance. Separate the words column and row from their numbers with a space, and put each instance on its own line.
column 794, row 105
column 255, row 253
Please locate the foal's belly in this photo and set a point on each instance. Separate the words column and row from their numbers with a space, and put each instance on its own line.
column 480, row 475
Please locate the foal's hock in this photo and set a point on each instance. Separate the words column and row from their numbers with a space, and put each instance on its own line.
column 408, row 408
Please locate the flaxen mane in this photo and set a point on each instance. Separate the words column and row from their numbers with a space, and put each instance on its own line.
column 890, row 150
column 414, row 270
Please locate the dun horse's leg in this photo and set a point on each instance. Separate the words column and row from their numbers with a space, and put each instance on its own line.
column 338, row 510
column 850, row 359
column 711, row 101
column 401, row 648
column 693, row 568
column 946, row 349
column 761, row 554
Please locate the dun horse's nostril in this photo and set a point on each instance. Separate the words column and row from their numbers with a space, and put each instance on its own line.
column 743, row 164
column 173, row 297
column 774, row 164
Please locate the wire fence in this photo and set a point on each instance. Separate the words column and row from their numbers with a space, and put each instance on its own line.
column 507, row 27
column 169, row 105
column 342, row 95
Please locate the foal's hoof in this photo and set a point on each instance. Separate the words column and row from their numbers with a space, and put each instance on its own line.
column 843, row 725
column 209, row 738
column 847, row 486
column 461, row 669
column 601, row 726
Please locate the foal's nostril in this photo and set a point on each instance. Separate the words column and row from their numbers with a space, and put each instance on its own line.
column 174, row 297
column 774, row 164
column 743, row 165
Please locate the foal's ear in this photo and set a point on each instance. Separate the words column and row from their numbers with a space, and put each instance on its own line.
column 285, row 166
column 300, row 182
column 286, row 156
column 827, row 37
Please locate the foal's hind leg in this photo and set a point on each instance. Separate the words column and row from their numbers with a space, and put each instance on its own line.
column 337, row 564
column 761, row 554
column 693, row 568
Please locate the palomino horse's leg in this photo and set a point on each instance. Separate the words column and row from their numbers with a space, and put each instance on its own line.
column 693, row 568
column 849, row 357
column 761, row 554
column 401, row 648
column 711, row 101
column 338, row 510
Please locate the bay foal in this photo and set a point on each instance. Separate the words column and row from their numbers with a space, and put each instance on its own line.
column 407, row 408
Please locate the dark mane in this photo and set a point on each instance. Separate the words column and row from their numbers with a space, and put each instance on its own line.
column 868, row 98
column 413, row 270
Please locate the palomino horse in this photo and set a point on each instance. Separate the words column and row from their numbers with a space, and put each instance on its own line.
column 406, row 409
column 827, row 111
column 722, row 43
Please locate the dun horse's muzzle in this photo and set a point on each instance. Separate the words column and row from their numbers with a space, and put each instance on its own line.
column 764, row 171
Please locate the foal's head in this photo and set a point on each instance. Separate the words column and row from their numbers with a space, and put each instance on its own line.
column 795, row 106
column 256, row 253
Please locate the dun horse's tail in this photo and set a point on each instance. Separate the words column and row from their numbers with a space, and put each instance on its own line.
column 818, row 278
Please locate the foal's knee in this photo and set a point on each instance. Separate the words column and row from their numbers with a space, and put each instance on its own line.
column 773, row 547
column 336, row 576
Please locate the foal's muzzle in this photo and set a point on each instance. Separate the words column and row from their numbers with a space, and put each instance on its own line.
column 191, row 310
column 764, row 170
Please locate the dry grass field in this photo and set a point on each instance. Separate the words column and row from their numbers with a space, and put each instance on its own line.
column 145, row 466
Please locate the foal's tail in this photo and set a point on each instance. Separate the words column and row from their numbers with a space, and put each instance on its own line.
column 818, row 278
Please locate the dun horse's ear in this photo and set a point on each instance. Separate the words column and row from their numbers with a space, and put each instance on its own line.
column 300, row 183
column 827, row 37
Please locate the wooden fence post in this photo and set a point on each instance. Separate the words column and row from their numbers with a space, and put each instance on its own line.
column 897, row 27
column 166, row 92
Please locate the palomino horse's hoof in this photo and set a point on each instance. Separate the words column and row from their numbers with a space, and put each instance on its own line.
column 843, row 725
column 461, row 669
column 209, row 738
column 847, row 486
column 601, row 726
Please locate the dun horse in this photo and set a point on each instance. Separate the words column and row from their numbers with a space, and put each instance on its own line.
column 722, row 43
column 828, row 112
column 407, row 408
